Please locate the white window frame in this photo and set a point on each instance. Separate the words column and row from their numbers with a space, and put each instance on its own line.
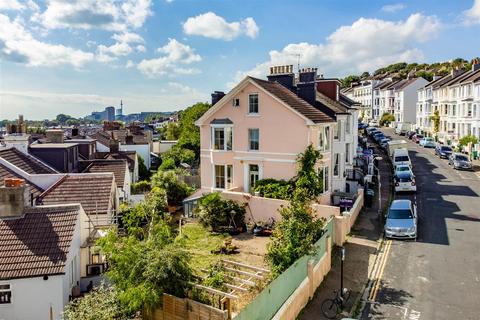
column 250, row 130
column 236, row 102
column 258, row 103
column 338, row 165
column 226, row 177
column 225, row 131
column 6, row 288
column 324, row 138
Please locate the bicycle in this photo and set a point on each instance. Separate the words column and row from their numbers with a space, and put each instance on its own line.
column 331, row 307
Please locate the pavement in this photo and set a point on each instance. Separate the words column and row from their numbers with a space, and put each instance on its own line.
column 438, row 275
column 361, row 250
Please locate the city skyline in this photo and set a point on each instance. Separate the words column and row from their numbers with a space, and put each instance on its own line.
column 59, row 57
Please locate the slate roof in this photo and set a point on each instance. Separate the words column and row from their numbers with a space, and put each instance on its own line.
column 7, row 173
column 474, row 76
column 92, row 191
column 335, row 106
column 125, row 155
column 117, row 167
column 292, row 100
column 102, row 137
column 37, row 244
column 25, row 162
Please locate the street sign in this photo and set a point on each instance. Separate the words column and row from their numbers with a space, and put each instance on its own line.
column 346, row 203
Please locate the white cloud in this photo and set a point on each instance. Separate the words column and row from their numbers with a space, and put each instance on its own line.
column 16, row 5
column 472, row 15
column 17, row 44
column 212, row 26
column 141, row 48
column 41, row 105
column 128, row 37
column 94, row 14
column 391, row 8
column 174, row 54
column 365, row 45
column 120, row 48
column 129, row 64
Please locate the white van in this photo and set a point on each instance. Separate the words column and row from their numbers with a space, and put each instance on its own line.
column 402, row 128
column 400, row 156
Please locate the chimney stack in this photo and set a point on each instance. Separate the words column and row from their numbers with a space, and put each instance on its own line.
column 475, row 64
column 55, row 136
column 283, row 75
column 217, row 96
column 13, row 198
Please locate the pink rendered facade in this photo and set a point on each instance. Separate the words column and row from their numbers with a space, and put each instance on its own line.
column 278, row 131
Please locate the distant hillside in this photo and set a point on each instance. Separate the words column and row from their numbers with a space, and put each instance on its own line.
column 402, row 69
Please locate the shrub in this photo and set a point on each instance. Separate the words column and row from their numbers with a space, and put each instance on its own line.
column 386, row 119
column 215, row 212
column 175, row 189
column 294, row 236
column 275, row 189
column 140, row 187
column 468, row 139
column 308, row 179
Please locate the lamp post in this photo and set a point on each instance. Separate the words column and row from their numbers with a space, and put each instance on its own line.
column 378, row 158
column 341, row 275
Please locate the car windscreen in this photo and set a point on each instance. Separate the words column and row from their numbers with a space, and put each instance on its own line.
column 399, row 214
column 419, row 136
column 446, row 149
column 403, row 168
column 461, row 158
column 401, row 159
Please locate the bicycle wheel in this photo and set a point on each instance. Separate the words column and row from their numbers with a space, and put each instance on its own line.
column 346, row 296
column 329, row 308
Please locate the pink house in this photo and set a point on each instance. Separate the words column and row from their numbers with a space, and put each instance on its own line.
column 257, row 130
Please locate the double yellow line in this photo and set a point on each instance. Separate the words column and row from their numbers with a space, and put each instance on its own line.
column 381, row 268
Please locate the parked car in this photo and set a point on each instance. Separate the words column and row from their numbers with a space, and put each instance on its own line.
column 374, row 123
column 378, row 136
column 417, row 137
column 400, row 156
column 427, row 142
column 460, row 161
column 401, row 220
column 443, row 151
column 362, row 125
column 404, row 182
column 410, row 134
column 384, row 142
column 402, row 168
column 372, row 131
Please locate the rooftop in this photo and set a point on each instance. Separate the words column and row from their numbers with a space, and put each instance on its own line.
column 25, row 162
column 37, row 244
column 93, row 191
column 52, row 145
column 117, row 167
column 7, row 173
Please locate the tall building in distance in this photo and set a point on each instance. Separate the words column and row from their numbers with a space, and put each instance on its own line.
column 109, row 113
column 119, row 112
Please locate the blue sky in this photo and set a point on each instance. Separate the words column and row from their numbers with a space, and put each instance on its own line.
column 74, row 57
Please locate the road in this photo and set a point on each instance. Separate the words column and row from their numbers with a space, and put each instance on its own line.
column 437, row 276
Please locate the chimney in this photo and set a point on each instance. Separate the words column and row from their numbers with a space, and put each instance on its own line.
column 475, row 64
column 216, row 96
column 329, row 87
column 128, row 139
column 74, row 132
column 55, row 136
column 283, row 75
column 306, row 85
column 456, row 72
column 13, row 198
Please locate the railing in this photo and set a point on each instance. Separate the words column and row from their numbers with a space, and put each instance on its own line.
column 355, row 175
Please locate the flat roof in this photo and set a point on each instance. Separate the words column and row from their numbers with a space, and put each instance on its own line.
column 52, row 145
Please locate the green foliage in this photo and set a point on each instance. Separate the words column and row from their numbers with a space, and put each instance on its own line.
column 294, row 235
column 101, row 303
column 190, row 134
column 275, row 189
column 63, row 118
column 175, row 189
column 386, row 119
column 141, row 187
column 176, row 155
column 427, row 75
column 143, row 269
column 365, row 74
column 216, row 277
column 436, row 121
column 172, row 131
column 468, row 139
column 143, row 173
column 307, row 177
column 217, row 213
column 347, row 81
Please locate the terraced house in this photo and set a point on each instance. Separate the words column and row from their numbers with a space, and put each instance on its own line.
column 257, row 130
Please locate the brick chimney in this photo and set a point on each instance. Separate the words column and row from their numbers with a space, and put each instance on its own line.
column 14, row 196
column 306, row 85
column 329, row 87
column 283, row 75
column 55, row 136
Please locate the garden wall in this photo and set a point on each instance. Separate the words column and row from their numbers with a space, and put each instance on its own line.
column 344, row 223
column 288, row 294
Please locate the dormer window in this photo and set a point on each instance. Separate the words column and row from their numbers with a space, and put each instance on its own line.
column 253, row 103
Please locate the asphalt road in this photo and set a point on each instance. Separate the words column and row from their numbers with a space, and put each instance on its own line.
column 437, row 276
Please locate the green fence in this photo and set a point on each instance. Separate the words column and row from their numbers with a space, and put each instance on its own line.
column 268, row 302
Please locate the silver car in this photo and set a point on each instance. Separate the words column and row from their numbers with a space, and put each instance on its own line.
column 460, row 161
column 401, row 220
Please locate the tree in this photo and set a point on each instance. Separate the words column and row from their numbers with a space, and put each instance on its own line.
column 307, row 178
column 176, row 155
column 464, row 141
column 143, row 269
column 218, row 213
column 386, row 119
column 62, row 118
column 365, row 74
column 172, row 131
column 347, row 81
column 435, row 118
column 101, row 303
column 175, row 189
column 143, row 172
column 190, row 134
column 294, row 235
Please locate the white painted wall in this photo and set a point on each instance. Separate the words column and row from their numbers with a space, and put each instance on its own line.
column 101, row 148
column 142, row 150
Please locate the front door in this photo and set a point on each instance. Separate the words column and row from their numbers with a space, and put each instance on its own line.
column 253, row 176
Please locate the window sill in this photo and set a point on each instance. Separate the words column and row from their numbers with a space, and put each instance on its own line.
column 253, row 115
